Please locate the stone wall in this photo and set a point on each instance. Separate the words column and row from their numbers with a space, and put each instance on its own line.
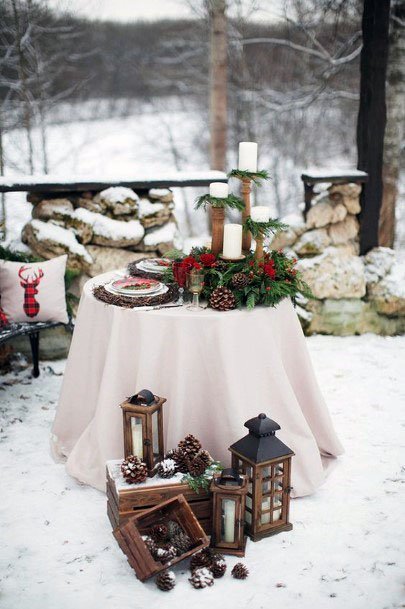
column 353, row 294
column 101, row 231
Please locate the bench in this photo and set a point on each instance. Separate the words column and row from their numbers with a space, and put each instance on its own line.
column 32, row 330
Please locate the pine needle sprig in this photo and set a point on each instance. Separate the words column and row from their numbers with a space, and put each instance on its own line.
column 230, row 202
column 263, row 229
column 255, row 176
column 196, row 483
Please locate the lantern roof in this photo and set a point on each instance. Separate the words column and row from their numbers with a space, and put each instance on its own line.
column 144, row 397
column 261, row 443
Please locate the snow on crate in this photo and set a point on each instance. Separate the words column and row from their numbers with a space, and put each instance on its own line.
column 114, row 233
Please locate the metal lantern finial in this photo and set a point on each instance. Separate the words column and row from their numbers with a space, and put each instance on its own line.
column 266, row 461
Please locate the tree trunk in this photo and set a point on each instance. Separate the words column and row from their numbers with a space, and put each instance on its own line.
column 394, row 132
column 218, row 84
column 372, row 116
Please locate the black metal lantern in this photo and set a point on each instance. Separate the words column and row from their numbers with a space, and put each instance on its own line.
column 143, row 427
column 266, row 462
column 229, row 490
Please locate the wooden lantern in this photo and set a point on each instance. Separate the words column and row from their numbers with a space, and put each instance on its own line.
column 266, row 462
column 228, row 512
column 143, row 427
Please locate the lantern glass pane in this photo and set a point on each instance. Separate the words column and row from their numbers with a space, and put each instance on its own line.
column 277, row 503
column 266, row 487
column 249, row 501
column 248, row 471
column 137, row 436
column 266, row 472
column 228, row 515
column 279, row 469
column 248, row 517
column 155, row 434
column 265, row 516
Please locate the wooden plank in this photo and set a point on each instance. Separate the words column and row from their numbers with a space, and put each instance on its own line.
column 44, row 183
column 337, row 178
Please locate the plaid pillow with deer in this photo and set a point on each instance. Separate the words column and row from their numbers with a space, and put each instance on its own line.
column 34, row 291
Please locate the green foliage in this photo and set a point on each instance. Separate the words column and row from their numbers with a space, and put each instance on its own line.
column 204, row 481
column 263, row 228
column 230, row 202
column 255, row 176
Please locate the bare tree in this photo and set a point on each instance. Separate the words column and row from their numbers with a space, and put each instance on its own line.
column 218, row 84
column 394, row 131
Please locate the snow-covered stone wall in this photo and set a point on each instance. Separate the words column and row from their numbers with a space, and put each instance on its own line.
column 353, row 294
column 104, row 230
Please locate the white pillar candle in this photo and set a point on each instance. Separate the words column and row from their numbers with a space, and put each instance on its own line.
column 232, row 241
column 260, row 213
column 229, row 520
column 137, row 440
column 247, row 156
column 219, row 190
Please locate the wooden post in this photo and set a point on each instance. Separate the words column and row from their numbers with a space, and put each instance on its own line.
column 372, row 116
column 218, row 219
column 247, row 237
column 259, row 252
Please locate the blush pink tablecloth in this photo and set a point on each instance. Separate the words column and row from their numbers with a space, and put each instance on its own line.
column 216, row 370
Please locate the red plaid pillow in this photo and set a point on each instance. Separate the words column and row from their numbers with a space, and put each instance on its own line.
column 34, row 291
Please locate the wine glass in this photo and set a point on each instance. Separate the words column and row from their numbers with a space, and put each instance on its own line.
column 195, row 284
column 180, row 275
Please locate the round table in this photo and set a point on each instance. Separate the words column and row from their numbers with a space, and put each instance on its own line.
column 216, row 370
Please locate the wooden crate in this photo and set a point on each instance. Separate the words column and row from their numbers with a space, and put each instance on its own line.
column 129, row 535
column 125, row 500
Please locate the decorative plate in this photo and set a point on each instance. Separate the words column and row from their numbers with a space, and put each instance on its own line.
column 135, row 285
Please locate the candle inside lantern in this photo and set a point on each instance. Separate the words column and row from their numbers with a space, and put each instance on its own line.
column 219, row 190
column 260, row 213
column 229, row 520
column 137, row 439
column 247, row 156
column 232, row 241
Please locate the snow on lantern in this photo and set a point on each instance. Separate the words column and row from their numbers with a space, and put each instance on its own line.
column 228, row 512
column 266, row 462
column 143, row 427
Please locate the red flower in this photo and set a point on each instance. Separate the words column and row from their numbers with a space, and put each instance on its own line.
column 197, row 266
column 268, row 288
column 189, row 260
column 270, row 270
column 207, row 259
column 251, row 263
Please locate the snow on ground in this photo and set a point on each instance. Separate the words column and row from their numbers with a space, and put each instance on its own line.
column 346, row 548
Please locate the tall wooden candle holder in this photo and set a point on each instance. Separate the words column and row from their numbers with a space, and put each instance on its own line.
column 247, row 177
column 218, row 219
column 260, row 230
column 218, row 206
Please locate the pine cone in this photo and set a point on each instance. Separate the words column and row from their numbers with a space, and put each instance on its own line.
column 173, row 528
column 166, row 468
column 222, row 299
column 190, row 445
column 159, row 532
column 201, row 578
column 218, row 567
column 203, row 558
column 181, row 460
column 165, row 553
column 170, row 453
column 134, row 470
column 150, row 544
column 240, row 571
column 221, row 266
column 206, row 457
column 166, row 580
column 196, row 467
column 240, row 280
column 181, row 542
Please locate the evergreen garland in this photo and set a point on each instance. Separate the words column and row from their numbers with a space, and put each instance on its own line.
column 231, row 202
column 263, row 229
column 255, row 176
